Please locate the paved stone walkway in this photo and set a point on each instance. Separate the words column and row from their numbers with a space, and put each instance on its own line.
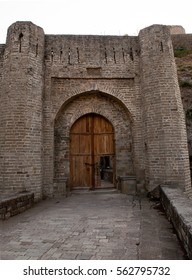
column 90, row 226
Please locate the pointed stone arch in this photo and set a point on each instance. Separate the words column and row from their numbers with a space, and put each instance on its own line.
column 101, row 104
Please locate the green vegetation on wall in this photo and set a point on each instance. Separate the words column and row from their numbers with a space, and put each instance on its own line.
column 181, row 52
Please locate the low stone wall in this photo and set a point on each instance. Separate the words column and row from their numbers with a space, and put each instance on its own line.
column 178, row 208
column 11, row 206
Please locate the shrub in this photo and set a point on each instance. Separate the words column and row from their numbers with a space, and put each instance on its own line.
column 189, row 114
column 185, row 84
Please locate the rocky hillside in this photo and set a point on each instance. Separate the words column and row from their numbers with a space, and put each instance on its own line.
column 183, row 59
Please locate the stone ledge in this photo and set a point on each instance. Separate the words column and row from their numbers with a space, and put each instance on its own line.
column 178, row 208
column 15, row 204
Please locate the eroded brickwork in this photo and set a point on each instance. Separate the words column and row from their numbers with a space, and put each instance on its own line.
column 2, row 48
column 49, row 81
column 21, row 102
column 165, row 132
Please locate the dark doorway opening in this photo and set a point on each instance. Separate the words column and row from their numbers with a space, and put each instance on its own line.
column 106, row 168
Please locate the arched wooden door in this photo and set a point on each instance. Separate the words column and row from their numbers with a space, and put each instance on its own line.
column 92, row 152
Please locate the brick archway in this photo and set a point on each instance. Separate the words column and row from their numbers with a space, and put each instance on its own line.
column 106, row 107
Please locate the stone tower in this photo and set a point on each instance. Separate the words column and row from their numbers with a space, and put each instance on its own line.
column 164, row 123
column 21, row 109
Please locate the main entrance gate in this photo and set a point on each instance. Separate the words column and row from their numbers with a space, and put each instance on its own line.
column 92, row 152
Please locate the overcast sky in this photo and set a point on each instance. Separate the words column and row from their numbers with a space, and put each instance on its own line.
column 101, row 17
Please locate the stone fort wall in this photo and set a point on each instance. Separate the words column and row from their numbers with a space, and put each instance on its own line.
column 49, row 81
column 104, row 68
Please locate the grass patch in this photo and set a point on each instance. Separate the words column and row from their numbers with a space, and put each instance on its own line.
column 182, row 52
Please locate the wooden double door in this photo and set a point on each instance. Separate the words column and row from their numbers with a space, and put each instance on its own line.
column 92, row 152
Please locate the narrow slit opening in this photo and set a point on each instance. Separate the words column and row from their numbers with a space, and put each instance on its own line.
column 114, row 55
column 69, row 56
column 162, row 46
column 78, row 55
column 123, row 55
column 52, row 55
column 20, row 41
column 61, row 54
column 106, row 55
column 131, row 54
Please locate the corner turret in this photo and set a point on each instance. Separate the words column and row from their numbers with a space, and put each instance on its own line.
column 22, row 89
column 166, row 149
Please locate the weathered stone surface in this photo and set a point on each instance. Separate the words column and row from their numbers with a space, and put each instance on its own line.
column 14, row 205
column 179, row 211
column 91, row 225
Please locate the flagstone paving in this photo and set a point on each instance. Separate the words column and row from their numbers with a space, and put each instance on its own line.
column 90, row 225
